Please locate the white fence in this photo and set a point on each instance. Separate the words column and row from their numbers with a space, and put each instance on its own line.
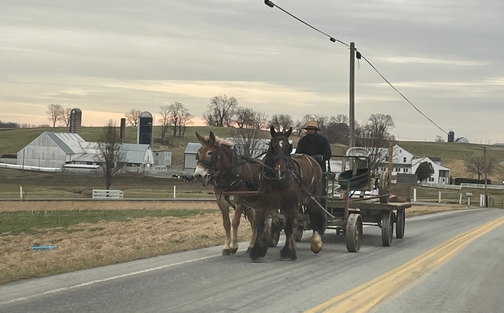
column 107, row 194
column 462, row 185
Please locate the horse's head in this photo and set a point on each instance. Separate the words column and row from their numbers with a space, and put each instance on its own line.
column 279, row 152
column 212, row 157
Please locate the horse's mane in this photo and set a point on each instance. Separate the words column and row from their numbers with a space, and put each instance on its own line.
column 220, row 141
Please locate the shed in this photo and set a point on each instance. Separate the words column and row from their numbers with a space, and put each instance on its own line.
column 190, row 156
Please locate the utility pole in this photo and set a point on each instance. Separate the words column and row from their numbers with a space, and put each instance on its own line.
column 351, row 141
column 486, row 169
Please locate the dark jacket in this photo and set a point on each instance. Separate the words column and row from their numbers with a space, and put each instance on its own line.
column 317, row 146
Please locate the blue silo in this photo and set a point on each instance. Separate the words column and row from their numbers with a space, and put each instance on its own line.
column 144, row 130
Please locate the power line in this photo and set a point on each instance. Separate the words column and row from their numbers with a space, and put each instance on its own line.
column 358, row 55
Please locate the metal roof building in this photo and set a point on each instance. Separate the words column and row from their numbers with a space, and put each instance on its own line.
column 54, row 150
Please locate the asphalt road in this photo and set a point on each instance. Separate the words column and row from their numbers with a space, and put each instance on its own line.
column 463, row 275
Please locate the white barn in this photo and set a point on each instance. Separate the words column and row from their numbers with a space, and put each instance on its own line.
column 439, row 174
column 69, row 151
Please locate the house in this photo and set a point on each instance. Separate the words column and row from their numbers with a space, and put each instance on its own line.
column 401, row 160
column 162, row 158
column 439, row 173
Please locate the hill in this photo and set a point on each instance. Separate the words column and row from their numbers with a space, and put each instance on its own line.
column 453, row 155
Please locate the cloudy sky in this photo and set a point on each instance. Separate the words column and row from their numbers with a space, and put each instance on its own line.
column 107, row 57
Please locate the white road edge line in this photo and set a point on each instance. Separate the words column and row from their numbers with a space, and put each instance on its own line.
column 108, row 279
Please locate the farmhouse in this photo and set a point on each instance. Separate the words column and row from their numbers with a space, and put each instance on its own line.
column 403, row 162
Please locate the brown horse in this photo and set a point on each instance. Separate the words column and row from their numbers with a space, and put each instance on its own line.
column 228, row 173
column 220, row 165
column 293, row 182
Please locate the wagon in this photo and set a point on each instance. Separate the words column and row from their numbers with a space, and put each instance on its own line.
column 349, row 204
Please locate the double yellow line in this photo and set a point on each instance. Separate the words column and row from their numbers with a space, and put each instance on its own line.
column 366, row 296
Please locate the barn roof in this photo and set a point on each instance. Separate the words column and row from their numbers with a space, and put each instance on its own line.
column 70, row 143
column 192, row 148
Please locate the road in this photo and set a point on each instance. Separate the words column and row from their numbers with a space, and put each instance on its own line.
column 415, row 274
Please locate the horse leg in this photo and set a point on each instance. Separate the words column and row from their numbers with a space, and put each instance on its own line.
column 250, row 213
column 318, row 222
column 260, row 247
column 235, row 223
column 224, row 208
column 289, row 251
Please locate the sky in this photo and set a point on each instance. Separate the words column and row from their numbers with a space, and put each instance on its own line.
column 107, row 57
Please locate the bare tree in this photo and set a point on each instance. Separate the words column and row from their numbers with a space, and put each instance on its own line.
column 54, row 111
column 249, row 142
column 479, row 166
column 439, row 139
column 111, row 156
column 185, row 119
column 221, row 111
column 132, row 117
column 340, row 118
column 260, row 121
column 244, row 117
column 375, row 135
column 64, row 118
column 165, row 121
column 281, row 122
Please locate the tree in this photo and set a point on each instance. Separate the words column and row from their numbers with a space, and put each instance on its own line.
column 54, row 111
column 439, row 139
column 281, row 122
column 424, row 171
column 165, row 121
column 221, row 111
column 244, row 117
column 132, row 117
column 64, row 118
column 249, row 141
column 479, row 166
column 175, row 116
column 110, row 154
column 375, row 135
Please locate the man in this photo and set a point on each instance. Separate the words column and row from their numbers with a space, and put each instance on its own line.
column 316, row 146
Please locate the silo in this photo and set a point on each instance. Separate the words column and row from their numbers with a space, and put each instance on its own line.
column 144, row 131
column 75, row 121
column 122, row 132
column 451, row 136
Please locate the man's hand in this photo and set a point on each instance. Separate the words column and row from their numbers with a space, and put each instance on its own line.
column 319, row 158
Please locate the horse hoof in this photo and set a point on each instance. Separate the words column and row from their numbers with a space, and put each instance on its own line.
column 283, row 258
column 257, row 260
column 233, row 250
column 248, row 250
column 316, row 248
column 226, row 252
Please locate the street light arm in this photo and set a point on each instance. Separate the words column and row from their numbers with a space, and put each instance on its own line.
column 269, row 3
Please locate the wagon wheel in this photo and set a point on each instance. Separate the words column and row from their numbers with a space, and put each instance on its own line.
column 387, row 228
column 401, row 223
column 298, row 235
column 353, row 232
column 384, row 186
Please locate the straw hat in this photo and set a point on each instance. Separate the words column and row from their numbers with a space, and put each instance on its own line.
column 311, row 125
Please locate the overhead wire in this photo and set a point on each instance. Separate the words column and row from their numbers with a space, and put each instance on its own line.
column 358, row 55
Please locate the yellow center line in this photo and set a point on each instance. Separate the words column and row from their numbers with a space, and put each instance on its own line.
column 366, row 296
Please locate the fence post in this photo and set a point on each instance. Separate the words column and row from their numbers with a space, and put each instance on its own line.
column 439, row 197
column 414, row 194
column 21, row 192
column 174, row 192
column 460, row 199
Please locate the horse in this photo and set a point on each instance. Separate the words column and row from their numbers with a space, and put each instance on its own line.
column 293, row 182
column 226, row 173
column 218, row 163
